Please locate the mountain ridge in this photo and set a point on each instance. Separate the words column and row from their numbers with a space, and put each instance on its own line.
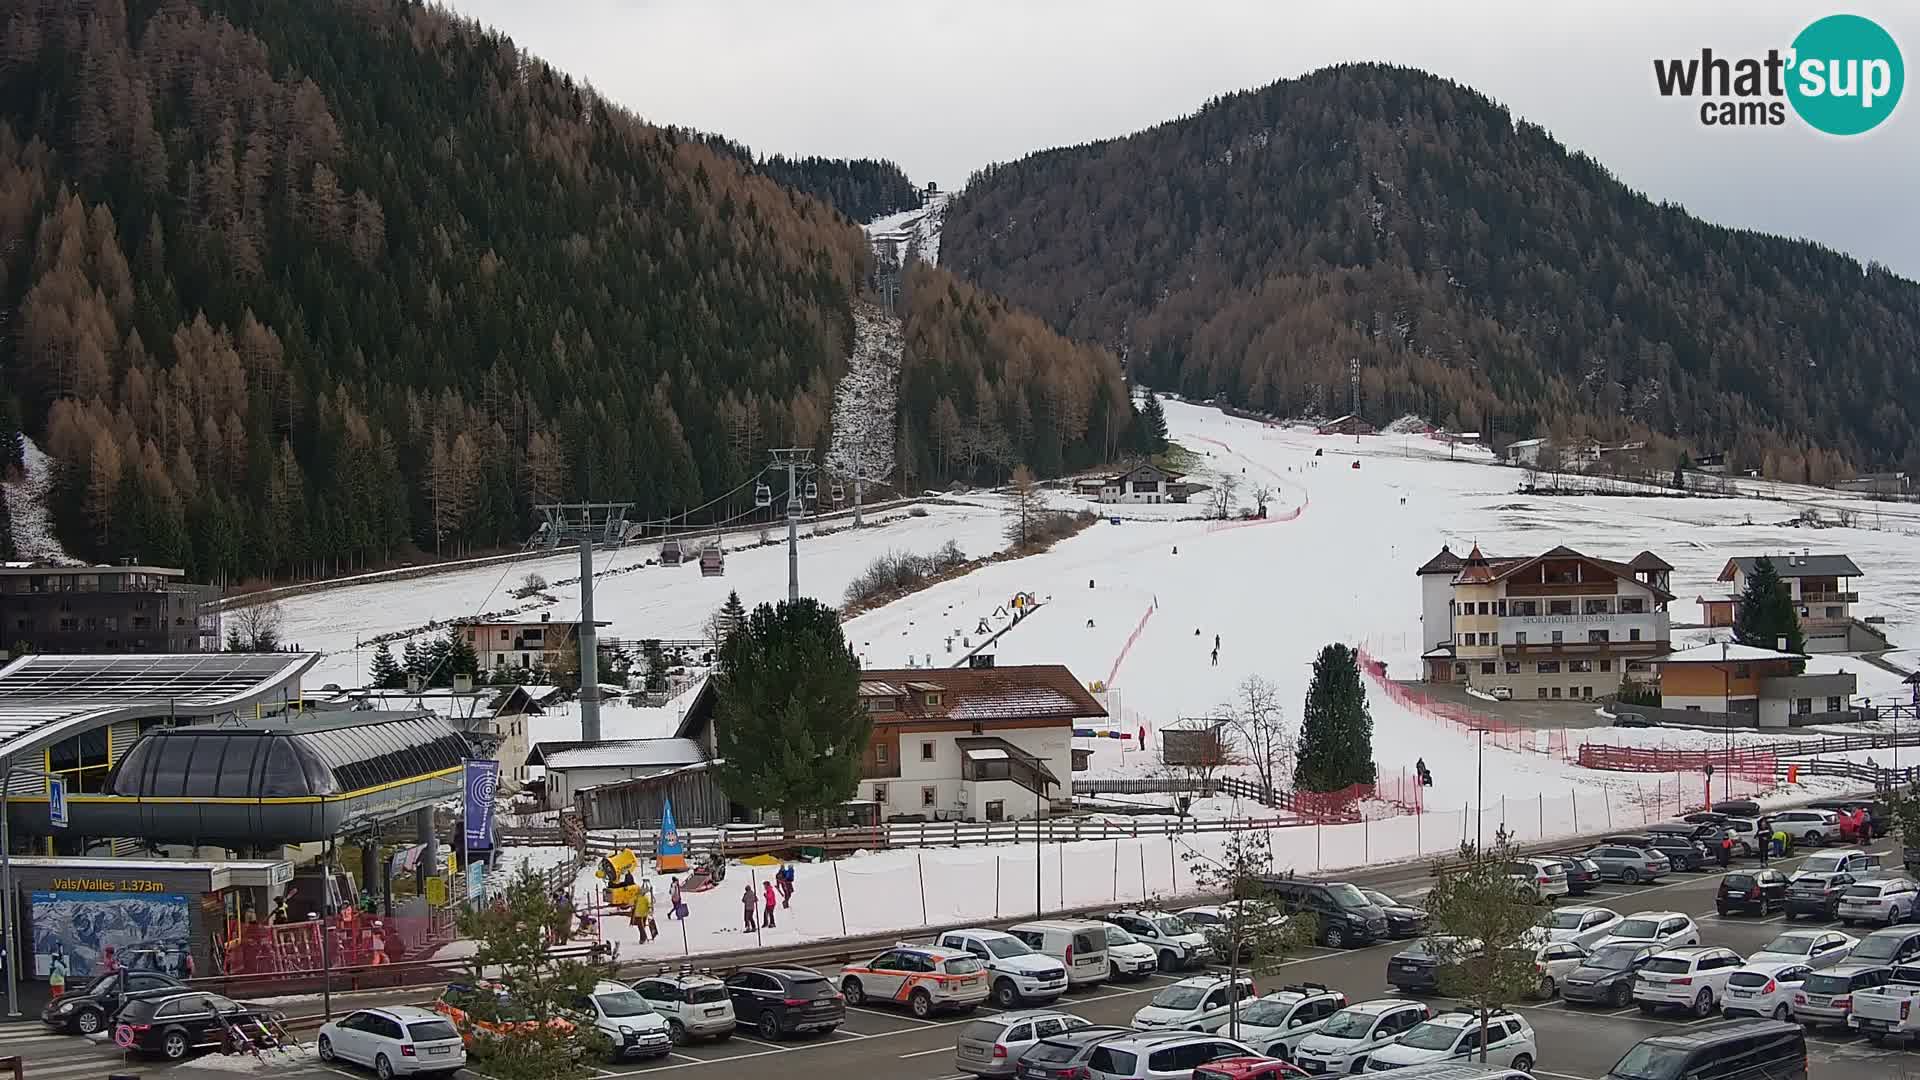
column 1479, row 270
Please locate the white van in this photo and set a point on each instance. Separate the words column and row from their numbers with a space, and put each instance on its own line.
column 1079, row 944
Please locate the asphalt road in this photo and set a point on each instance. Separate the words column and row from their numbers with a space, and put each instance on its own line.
column 879, row 1044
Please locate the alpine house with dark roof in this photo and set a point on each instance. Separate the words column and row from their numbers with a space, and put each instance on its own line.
column 977, row 744
column 1561, row 624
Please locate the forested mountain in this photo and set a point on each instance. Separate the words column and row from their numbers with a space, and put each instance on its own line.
column 293, row 286
column 1481, row 274
column 861, row 188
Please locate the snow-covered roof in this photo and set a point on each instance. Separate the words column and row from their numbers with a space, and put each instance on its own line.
column 1012, row 703
column 879, row 689
column 617, row 754
column 1711, row 653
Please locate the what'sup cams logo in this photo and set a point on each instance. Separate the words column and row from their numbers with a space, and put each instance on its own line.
column 1842, row 75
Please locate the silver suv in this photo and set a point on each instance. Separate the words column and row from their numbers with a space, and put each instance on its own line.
column 991, row 1045
column 1128, row 1056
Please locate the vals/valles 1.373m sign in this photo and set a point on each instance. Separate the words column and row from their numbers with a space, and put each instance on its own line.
column 1842, row 76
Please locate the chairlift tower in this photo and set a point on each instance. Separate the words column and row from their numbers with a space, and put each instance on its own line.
column 1353, row 381
column 587, row 524
column 798, row 461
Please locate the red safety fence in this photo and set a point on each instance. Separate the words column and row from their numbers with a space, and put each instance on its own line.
column 1138, row 628
column 1499, row 733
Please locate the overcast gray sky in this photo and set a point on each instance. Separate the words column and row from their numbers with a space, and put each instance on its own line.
column 946, row 88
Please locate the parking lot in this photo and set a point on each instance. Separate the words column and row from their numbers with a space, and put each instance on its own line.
column 881, row 1044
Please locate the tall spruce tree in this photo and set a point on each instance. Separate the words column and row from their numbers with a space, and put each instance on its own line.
column 733, row 612
column 453, row 655
column 413, row 662
column 1153, row 425
column 384, row 674
column 1336, row 729
column 788, row 726
column 1766, row 614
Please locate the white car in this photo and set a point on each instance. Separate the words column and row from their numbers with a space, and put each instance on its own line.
column 1583, row 925
column 1693, row 978
column 1018, row 973
column 1455, row 1036
column 1539, row 879
column 1882, row 900
column 628, row 1021
column 1807, row 826
column 926, row 977
column 695, row 1006
column 398, row 1040
column 1813, row 948
column 1216, row 922
column 1666, row 929
column 1348, row 1037
column 1554, row 960
column 1181, row 1005
column 1825, row 864
column 1127, row 958
column 1178, row 944
column 1280, row 1021
column 1764, row 989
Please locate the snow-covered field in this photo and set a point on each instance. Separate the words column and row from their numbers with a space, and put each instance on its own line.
column 670, row 603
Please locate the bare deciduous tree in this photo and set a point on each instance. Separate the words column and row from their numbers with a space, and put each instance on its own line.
column 255, row 628
column 1259, row 725
column 1225, row 485
column 1262, row 494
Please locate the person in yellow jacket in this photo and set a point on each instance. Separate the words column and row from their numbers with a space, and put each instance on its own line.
column 642, row 910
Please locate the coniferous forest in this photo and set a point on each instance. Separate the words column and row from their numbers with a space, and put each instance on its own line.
column 861, row 188
column 299, row 286
column 1483, row 276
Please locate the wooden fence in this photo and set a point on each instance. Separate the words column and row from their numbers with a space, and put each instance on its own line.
column 741, row 840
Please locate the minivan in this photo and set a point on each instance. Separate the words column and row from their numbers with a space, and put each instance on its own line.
column 1737, row 1050
column 1079, row 944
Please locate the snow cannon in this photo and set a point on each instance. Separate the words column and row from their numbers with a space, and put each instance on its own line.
column 1356, row 464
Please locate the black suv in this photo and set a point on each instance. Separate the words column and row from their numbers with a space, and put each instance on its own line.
column 1741, row 1048
column 1346, row 916
column 175, row 1024
column 87, row 1012
column 778, row 1000
column 1761, row 890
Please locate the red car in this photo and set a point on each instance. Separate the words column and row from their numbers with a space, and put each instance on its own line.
column 1248, row 1068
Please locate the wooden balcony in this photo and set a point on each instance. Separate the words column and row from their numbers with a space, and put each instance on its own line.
column 1562, row 588
column 1829, row 597
column 1550, row 649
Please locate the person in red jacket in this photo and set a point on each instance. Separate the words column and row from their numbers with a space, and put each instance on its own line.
column 766, row 920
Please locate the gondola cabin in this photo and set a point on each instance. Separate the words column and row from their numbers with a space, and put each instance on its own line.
column 670, row 554
column 713, row 562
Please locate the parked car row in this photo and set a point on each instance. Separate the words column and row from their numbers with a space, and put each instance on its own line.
column 159, row 1015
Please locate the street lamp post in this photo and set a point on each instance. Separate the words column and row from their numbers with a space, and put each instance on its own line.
column 1480, row 790
column 1727, row 731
